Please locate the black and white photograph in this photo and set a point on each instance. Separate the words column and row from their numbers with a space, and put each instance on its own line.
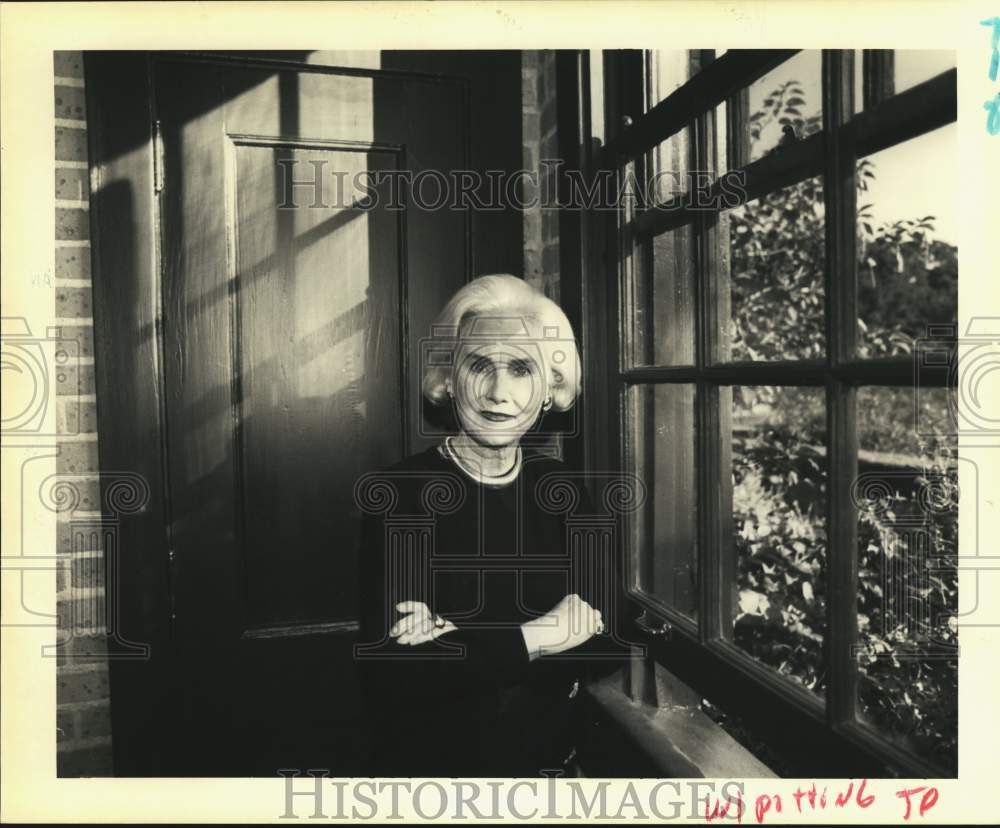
column 509, row 413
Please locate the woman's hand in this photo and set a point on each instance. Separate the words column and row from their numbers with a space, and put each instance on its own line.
column 568, row 624
column 417, row 625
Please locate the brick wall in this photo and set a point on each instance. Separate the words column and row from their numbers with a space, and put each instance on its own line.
column 541, row 224
column 83, row 722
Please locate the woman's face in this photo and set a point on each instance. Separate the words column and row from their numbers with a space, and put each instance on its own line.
column 499, row 388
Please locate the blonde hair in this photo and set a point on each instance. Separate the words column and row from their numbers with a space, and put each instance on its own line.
column 503, row 296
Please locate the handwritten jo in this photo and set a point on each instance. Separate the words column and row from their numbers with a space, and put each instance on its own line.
column 993, row 107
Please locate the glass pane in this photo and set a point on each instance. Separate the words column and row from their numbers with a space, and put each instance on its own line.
column 669, row 162
column 776, row 275
column 859, row 83
column 910, row 67
column 786, row 103
column 908, row 231
column 907, row 498
column 664, row 300
column 597, row 94
column 666, row 528
column 779, row 528
column 914, row 66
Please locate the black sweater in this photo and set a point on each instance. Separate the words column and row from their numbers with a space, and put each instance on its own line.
column 471, row 703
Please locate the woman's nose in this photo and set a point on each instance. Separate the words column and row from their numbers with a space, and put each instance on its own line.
column 495, row 389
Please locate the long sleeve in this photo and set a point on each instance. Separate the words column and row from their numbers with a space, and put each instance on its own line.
column 597, row 572
column 457, row 664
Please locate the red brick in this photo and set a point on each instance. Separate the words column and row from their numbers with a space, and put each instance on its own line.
column 88, row 492
column 88, row 572
column 70, row 102
column 79, row 337
column 72, row 224
column 72, row 262
column 82, row 649
column 74, row 302
column 74, row 417
column 93, row 721
column 77, row 458
column 80, row 615
column 81, row 685
column 71, row 144
column 74, row 536
column 68, row 64
column 72, row 379
column 72, row 184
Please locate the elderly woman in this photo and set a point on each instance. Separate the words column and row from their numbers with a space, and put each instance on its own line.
column 477, row 621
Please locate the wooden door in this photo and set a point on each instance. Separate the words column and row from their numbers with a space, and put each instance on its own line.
column 288, row 364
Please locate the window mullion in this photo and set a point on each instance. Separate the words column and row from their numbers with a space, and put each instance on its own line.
column 841, row 328
column 878, row 76
column 738, row 130
column 716, row 565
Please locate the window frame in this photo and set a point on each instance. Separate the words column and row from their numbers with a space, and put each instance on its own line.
column 615, row 241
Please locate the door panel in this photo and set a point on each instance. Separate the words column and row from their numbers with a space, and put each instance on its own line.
column 290, row 334
column 317, row 379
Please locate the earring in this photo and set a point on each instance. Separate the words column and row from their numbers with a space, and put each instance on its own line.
column 547, row 404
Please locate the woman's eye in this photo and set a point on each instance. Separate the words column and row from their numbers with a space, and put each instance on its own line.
column 479, row 366
column 520, row 369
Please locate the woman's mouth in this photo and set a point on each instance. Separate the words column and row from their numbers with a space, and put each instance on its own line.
column 495, row 416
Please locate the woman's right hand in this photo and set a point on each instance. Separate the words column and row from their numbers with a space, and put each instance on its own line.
column 568, row 624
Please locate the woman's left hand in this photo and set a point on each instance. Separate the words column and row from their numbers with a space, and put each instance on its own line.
column 417, row 626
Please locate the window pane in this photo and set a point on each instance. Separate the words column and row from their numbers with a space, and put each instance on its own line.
column 779, row 528
column 909, row 68
column 669, row 161
column 664, row 300
column 666, row 528
column 670, row 170
column 776, row 275
column 908, row 230
column 597, row 94
column 907, row 498
column 914, row 66
column 786, row 103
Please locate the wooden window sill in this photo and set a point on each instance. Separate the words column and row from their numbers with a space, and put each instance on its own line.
column 672, row 738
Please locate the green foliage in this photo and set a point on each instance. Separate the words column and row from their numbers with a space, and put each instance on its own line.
column 907, row 666
column 908, row 672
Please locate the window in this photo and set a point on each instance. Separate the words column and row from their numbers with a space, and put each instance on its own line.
column 777, row 277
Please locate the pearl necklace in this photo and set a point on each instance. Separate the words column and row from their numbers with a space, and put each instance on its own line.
column 476, row 474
